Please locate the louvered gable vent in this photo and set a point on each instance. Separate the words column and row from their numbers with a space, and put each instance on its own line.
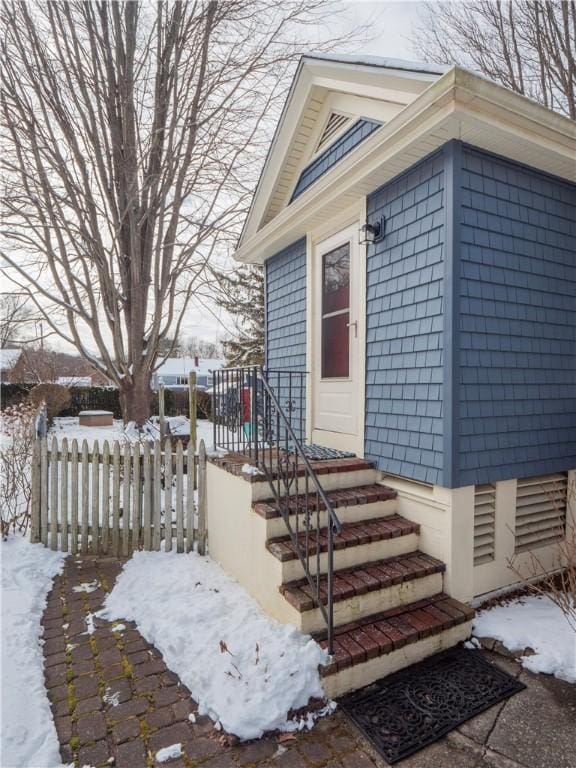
column 484, row 523
column 334, row 124
column 541, row 510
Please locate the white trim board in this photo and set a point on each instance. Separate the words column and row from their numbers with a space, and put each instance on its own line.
column 459, row 105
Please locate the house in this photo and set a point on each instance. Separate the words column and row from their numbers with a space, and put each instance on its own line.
column 8, row 359
column 42, row 366
column 417, row 227
column 173, row 372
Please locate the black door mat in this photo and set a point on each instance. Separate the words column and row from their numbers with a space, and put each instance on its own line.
column 416, row 706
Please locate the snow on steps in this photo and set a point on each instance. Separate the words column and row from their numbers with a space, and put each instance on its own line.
column 333, row 474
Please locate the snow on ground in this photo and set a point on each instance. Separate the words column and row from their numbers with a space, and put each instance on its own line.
column 244, row 669
column 168, row 753
column 69, row 427
column 28, row 734
column 533, row 622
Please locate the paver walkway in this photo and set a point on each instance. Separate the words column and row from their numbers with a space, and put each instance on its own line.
column 115, row 703
column 113, row 697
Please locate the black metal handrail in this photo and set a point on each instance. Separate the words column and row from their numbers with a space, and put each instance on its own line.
column 249, row 419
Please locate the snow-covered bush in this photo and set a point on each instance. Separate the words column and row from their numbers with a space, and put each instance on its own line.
column 16, row 441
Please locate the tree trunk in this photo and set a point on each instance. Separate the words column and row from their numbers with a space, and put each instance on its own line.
column 136, row 399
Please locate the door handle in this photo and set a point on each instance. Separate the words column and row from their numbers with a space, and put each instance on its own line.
column 355, row 324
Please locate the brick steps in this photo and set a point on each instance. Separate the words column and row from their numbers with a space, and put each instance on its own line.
column 352, row 535
column 359, row 495
column 233, row 463
column 390, row 610
column 380, row 634
column 360, row 580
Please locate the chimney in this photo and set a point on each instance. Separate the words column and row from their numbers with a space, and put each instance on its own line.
column 195, row 361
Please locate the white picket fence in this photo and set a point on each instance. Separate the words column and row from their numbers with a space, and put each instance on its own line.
column 118, row 499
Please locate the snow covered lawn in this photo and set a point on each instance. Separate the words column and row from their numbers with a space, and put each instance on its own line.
column 244, row 669
column 533, row 622
column 28, row 734
column 69, row 427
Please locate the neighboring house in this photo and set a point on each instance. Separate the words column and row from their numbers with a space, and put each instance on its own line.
column 417, row 226
column 74, row 381
column 40, row 366
column 8, row 359
column 173, row 372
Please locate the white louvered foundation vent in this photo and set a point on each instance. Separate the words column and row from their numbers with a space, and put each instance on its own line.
column 333, row 125
column 484, row 523
column 541, row 510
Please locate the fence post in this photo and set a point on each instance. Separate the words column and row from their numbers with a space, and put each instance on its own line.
column 202, row 499
column 35, row 499
column 116, row 499
column 179, row 497
column 168, row 496
column 74, row 499
column 161, row 409
column 105, row 495
column 190, row 486
column 127, row 479
column 95, row 490
column 64, row 495
column 136, row 497
column 157, row 497
column 54, row 494
column 192, row 407
column 44, row 491
column 84, row 498
column 147, row 534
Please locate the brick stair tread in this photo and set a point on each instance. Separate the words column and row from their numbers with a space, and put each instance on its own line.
column 233, row 463
column 361, row 579
column 352, row 535
column 382, row 633
column 360, row 494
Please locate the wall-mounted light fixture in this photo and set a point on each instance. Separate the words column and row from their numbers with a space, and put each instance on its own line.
column 372, row 232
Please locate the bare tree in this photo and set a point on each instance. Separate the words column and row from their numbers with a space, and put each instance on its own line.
column 526, row 45
column 192, row 346
column 133, row 135
column 16, row 319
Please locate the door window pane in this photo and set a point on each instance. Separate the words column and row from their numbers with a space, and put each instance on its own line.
column 335, row 346
column 336, row 280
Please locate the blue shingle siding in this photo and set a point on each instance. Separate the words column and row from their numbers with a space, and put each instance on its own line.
column 342, row 146
column 517, row 377
column 404, row 335
column 285, row 292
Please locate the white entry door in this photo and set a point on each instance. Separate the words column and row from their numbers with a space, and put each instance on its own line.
column 336, row 339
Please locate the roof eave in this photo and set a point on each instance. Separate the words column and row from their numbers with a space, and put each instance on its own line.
column 458, row 91
column 301, row 85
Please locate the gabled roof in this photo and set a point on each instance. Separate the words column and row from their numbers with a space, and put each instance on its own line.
column 181, row 366
column 381, row 61
column 419, row 112
column 9, row 358
column 354, row 86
